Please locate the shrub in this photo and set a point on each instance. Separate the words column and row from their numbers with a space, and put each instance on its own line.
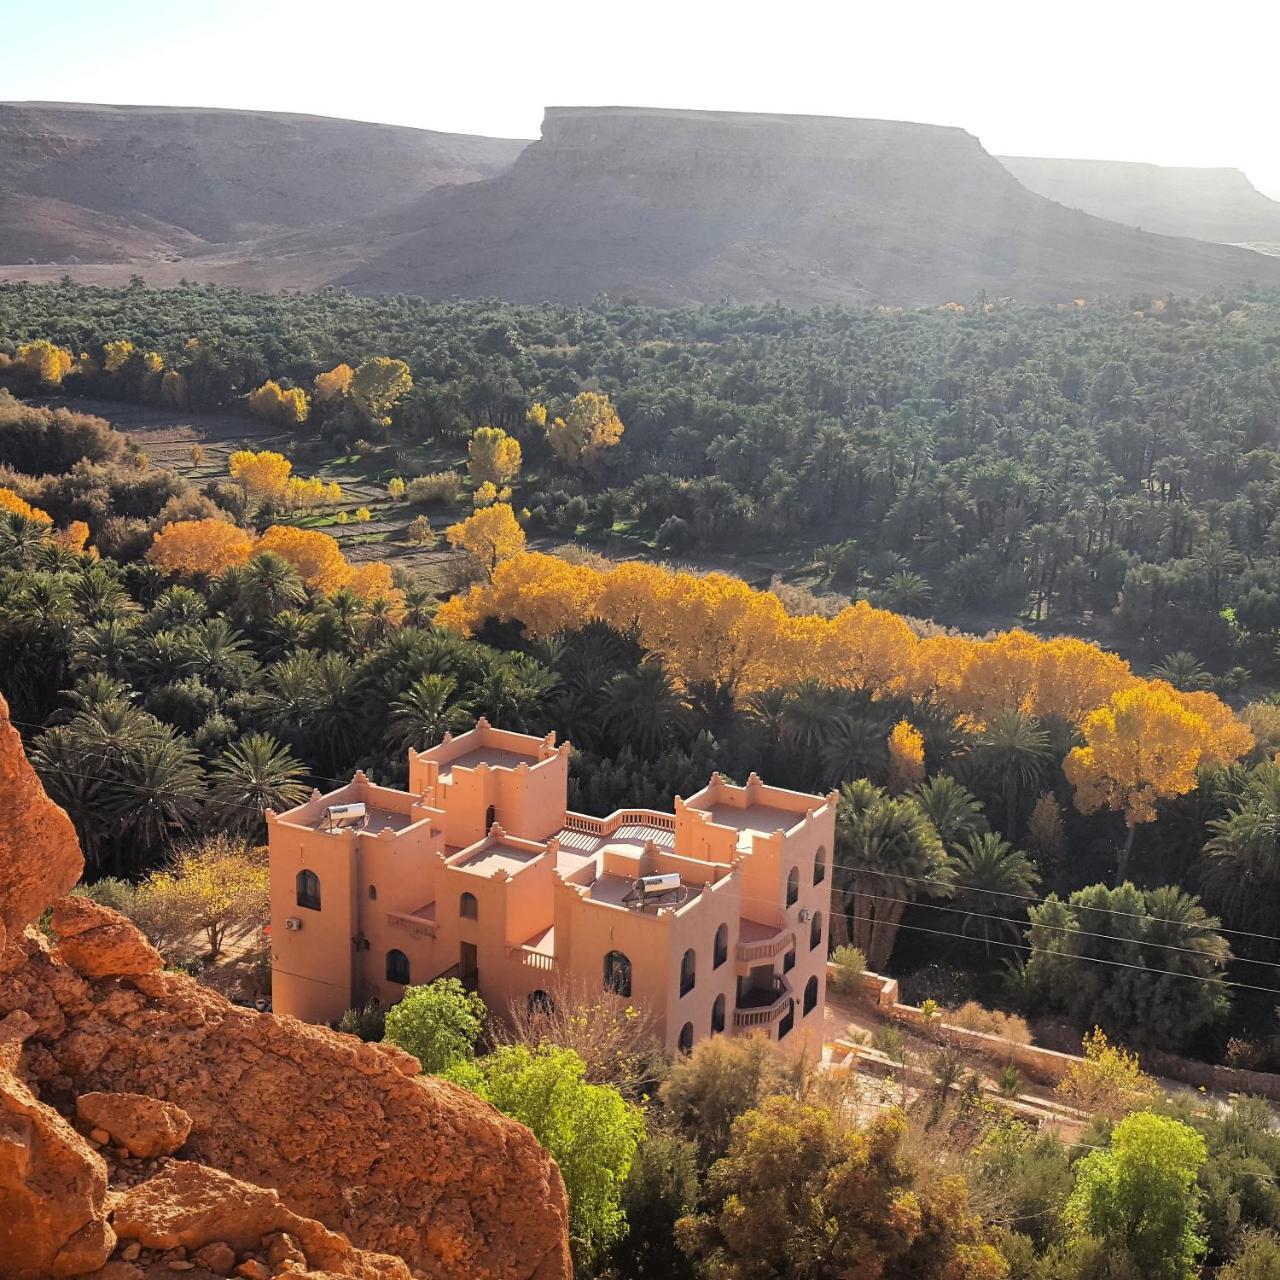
column 439, row 486
column 888, row 1040
column 368, row 1022
column 111, row 892
column 992, row 1022
column 420, row 532
column 1009, row 1081
column 438, row 1023
column 848, row 965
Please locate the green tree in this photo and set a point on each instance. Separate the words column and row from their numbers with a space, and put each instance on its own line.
column 428, row 709
column 1140, row 1195
column 253, row 774
column 438, row 1023
column 1013, row 752
column 661, row 1188
column 993, row 879
column 590, row 1130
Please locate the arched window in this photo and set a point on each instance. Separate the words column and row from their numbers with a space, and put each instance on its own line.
column 793, row 886
column 789, row 961
column 720, row 952
column 540, row 1002
column 397, row 967
column 373, row 893
column 717, row 1015
column 308, row 884
column 468, row 907
column 811, row 993
column 820, row 866
column 490, row 817
column 688, row 971
column 617, row 973
column 815, row 930
column 686, row 1038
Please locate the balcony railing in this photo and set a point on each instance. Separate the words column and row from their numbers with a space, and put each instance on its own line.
column 532, row 959
column 763, row 1006
column 415, row 925
column 766, row 948
column 623, row 818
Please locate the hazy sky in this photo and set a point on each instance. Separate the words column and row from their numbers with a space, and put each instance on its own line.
column 1160, row 80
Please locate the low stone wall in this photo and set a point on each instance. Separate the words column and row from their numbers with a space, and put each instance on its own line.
column 1204, row 1075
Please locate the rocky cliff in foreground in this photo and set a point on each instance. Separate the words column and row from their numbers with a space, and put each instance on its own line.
column 147, row 1126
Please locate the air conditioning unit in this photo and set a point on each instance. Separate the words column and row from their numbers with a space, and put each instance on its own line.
column 293, row 924
column 805, row 915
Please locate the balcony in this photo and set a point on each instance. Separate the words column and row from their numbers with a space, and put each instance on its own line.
column 761, row 1007
column 420, row 923
column 757, row 942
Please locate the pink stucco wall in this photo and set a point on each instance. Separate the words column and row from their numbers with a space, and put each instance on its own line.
column 545, row 907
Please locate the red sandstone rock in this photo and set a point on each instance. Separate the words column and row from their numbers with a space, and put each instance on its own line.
column 39, row 854
column 146, row 1126
column 98, row 942
column 218, row 1256
column 191, row 1205
column 53, row 1185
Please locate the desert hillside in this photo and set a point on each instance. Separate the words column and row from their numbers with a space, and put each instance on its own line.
column 1208, row 204
column 668, row 206
column 124, row 184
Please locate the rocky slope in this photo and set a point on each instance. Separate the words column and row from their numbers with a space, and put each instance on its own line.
column 1209, row 204
column 121, row 184
column 686, row 207
column 147, row 1126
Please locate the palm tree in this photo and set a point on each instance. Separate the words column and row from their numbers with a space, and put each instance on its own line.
column 888, row 854
column 642, row 709
column 1241, row 872
column 427, row 710
column 158, row 794
column 269, row 584
column 381, row 621
column 1183, row 671
column 953, row 809
column 110, row 647
column 857, row 748
column 177, row 607
column 254, row 774
column 992, row 879
column 515, row 690
column 219, row 655
column 904, row 592
column 1013, row 751
column 99, row 597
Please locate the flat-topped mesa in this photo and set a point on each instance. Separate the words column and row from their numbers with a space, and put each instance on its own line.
column 711, row 917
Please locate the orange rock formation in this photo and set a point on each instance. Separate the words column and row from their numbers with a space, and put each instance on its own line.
column 299, row 1150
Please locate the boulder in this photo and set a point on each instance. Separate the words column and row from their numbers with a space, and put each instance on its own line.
column 190, row 1205
column 146, row 1126
column 98, row 942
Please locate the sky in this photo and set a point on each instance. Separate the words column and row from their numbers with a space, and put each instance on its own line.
column 1165, row 81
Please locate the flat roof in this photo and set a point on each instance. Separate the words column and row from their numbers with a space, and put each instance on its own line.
column 496, row 857
column 611, row 888
column 376, row 820
column 494, row 757
column 763, row 819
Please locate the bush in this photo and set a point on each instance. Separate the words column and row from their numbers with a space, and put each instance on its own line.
column 992, row 1022
column 111, row 892
column 1009, row 1081
column 438, row 1023
column 888, row 1040
column 846, row 975
column 439, row 486
column 369, row 1022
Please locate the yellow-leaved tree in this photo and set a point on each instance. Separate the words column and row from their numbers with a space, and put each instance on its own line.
column 493, row 457
column 491, row 535
column 273, row 403
column 906, row 757
column 46, row 361
column 211, row 887
column 263, row 476
column 173, row 388
column 378, row 385
column 316, row 556
column 1143, row 746
column 330, row 387
column 200, row 547
column 115, row 355
column 19, row 506
column 591, row 426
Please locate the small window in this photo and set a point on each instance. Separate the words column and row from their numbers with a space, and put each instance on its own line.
column 789, row 961
column 686, row 1038
column 373, row 893
column 811, row 993
column 717, row 1015
column 308, row 885
column 617, row 973
column 815, row 930
column 820, row 866
column 468, row 907
column 688, row 971
column 793, row 886
column 721, row 951
column 397, row 967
